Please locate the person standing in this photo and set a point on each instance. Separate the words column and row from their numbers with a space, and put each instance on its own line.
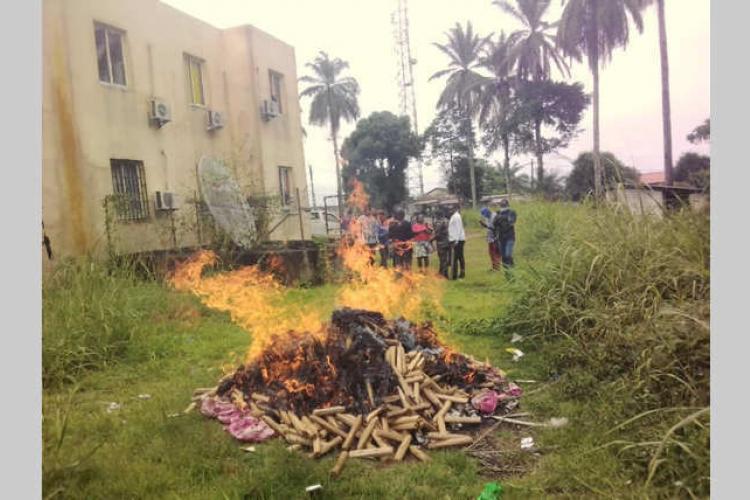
column 457, row 238
column 383, row 238
column 401, row 235
column 369, row 227
column 442, row 243
column 422, row 237
column 505, row 232
column 487, row 218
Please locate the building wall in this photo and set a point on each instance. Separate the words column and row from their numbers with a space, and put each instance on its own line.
column 642, row 201
column 86, row 122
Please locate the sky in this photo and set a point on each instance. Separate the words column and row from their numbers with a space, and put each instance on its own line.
column 361, row 32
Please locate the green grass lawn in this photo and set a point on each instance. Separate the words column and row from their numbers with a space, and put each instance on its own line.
column 177, row 344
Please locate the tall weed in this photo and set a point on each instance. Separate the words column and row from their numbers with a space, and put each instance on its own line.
column 91, row 311
column 621, row 305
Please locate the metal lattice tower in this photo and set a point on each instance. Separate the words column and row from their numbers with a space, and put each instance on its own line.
column 407, row 94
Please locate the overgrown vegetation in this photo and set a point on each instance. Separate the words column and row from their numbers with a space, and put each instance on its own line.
column 91, row 313
column 614, row 314
column 618, row 307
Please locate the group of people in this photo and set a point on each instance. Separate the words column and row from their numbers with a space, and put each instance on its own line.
column 501, row 234
column 397, row 241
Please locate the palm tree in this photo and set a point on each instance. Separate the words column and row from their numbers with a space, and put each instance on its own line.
column 594, row 28
column 494, row 107
column 333, row 98
column 533, row 53
column 463, row 48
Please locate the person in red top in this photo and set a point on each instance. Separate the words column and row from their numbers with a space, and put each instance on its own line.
column 422, row 242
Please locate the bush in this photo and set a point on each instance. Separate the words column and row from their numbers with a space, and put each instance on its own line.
column 622, row 307
column 91, row 311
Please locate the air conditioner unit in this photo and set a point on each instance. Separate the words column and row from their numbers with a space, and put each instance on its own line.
column 215, row 120
column 167, row 201
column 160, row 113
column 270, row 109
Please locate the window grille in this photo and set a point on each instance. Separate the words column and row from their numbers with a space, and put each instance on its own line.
column 129, row 186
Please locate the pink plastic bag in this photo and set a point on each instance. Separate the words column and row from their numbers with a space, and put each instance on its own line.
column 485, row 402
column 212, row 407
column 514, row 390
column 250, row 429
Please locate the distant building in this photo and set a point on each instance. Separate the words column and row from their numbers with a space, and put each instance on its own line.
column 134, row 94
column 651, row 178
column 650, row 195
column 433, row 198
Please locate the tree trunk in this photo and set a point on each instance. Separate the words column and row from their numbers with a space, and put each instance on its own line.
column 538, row 151
column 471, row 166
column 598, row 188
column 506, row 149
column 340, row 199
column 665, row 106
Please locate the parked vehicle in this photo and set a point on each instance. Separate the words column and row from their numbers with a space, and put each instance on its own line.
column 318, row 220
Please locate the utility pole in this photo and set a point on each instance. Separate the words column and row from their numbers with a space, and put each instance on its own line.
column 312, row 186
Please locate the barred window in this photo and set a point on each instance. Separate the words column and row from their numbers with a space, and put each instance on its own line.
column 110, row 54
column 129, row 185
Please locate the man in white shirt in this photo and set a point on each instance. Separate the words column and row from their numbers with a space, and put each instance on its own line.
column 457, row 238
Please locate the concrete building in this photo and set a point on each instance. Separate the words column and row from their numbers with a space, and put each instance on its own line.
column 135, row 93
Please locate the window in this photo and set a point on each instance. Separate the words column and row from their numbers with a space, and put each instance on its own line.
column 276, row 80
column 195, row 80
column 285, row 185
column 129, row 185
column 110, row 54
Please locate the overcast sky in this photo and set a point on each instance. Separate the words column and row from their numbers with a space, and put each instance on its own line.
column 360, row 32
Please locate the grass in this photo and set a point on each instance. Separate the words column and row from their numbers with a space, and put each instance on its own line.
column 602, row 351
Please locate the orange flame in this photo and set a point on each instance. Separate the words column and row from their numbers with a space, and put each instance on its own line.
column 358, row 198
column 253, row 299
column 391, row 292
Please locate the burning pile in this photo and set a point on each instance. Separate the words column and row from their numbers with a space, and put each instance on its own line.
column 368, row 388
column 361, row 384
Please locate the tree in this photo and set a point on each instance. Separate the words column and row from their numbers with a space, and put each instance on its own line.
column 458, row 180
column 701, row 133
column 532, row 54
column 511, row 180
column 694, row 169
column 496, row 103
column 378, row 153
column 444, row 138
column 463, row 49
column 558, row 106
column 580, row 181
column 334, row 98
column 594, row 29
column 551, row 186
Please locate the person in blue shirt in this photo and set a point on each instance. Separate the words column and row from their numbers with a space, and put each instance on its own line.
column 504, row 226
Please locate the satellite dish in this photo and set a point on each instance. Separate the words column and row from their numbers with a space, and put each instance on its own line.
column 226, row 202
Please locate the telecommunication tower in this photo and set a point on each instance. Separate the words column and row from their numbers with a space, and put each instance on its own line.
column 407, row 94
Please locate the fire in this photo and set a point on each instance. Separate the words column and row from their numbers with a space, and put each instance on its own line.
column 391, row 292
column 254, row 299
column 358, row 198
